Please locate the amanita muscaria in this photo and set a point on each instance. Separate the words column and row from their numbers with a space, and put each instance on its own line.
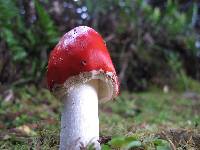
column 81, row 73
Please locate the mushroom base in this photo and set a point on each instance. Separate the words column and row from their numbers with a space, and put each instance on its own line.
column 79, row 120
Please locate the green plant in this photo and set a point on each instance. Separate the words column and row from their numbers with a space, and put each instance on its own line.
column 134, row 141
column 139, row 36
column 29, row 44
column 143, row 38
column 177, row 70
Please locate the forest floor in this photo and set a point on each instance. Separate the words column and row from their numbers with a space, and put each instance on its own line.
column 30, row 118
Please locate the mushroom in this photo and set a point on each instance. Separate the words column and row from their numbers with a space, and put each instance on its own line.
column 80, row 73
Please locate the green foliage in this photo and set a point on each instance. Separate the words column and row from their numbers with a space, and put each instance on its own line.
column 177, row 70
column 33, row 120
column 140, row 37
column 134, row 141
column 125, row 142
column 146, row 36
column 7, row 19
column 28, row 44
column 46, row 24
column 155, row 108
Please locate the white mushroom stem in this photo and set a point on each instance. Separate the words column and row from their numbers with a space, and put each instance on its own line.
column 79, row 120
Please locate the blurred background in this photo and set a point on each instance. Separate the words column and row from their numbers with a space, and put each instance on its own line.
column 154, row 45
column 151, row 42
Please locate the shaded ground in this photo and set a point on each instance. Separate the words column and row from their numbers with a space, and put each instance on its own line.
column 29, row 117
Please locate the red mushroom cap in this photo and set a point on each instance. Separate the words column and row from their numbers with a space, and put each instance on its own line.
column 79, row 52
